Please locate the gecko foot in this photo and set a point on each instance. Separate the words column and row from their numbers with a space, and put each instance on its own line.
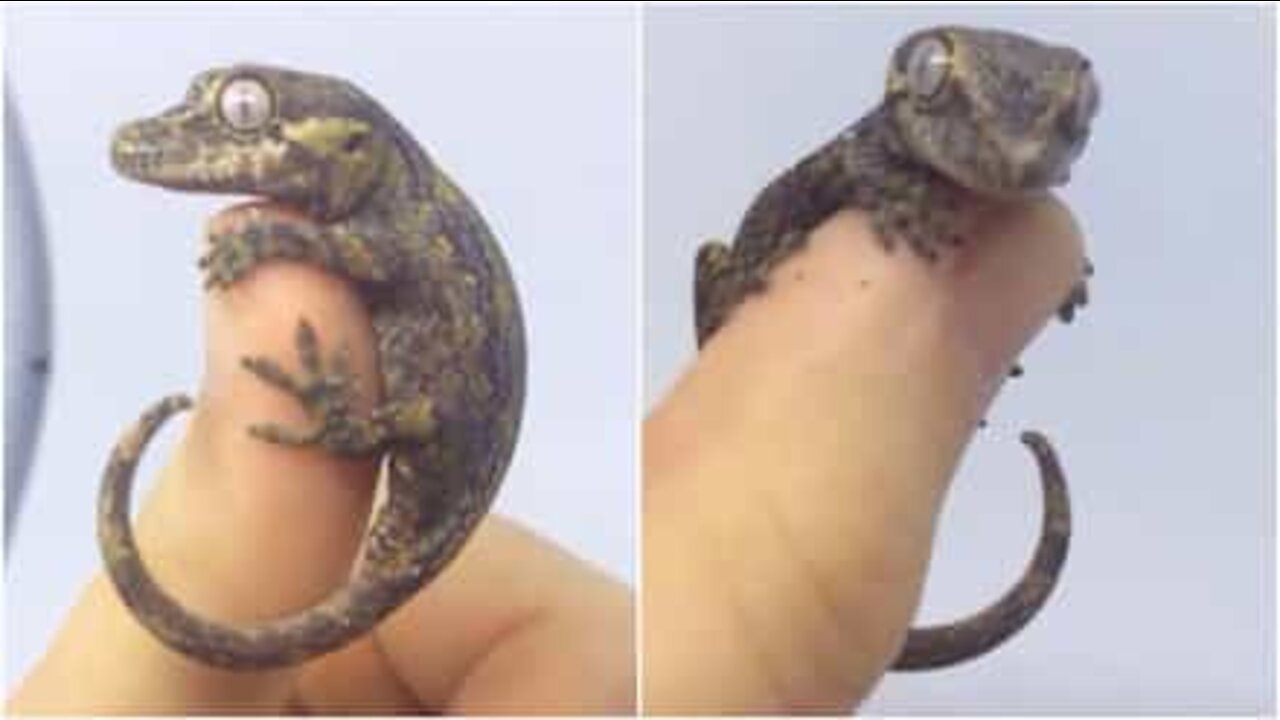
column 328, row 392
column 1079, row 295
column 919, row 211
column 233, row 253
column 230, row 256
column 1078, row 298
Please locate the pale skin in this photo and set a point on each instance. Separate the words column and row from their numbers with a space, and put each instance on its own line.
column 244, row 530
column 789, row 506
column 790, row 496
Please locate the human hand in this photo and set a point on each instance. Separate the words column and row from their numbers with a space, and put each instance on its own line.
column 793, row 477
column 243, row 531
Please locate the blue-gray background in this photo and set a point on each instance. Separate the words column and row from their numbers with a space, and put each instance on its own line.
column 1160, row 398
column 533, row 112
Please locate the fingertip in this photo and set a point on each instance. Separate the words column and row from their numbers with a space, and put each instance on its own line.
column 816, row 434
column 242, row 496
column 1021, row 268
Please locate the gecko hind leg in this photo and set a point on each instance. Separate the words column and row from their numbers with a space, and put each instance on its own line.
column 724, row 277
column 328, row 392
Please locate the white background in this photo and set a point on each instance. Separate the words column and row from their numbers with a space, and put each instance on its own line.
column 1160, row 397
column 531, row 112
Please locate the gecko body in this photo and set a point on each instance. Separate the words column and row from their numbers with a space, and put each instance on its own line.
column 968, row 115
column 380, row 213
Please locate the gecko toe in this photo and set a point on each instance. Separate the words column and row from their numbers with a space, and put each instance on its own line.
column 281, row 435
column 308, row 347
column 273, row 374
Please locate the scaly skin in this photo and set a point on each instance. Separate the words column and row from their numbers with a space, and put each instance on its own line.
column 450, row 337
column 998, row 118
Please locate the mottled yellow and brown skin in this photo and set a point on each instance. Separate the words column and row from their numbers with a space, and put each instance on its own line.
column 451, row 346
column 999, row 117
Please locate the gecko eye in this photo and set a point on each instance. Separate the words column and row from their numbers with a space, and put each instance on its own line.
column 927, row 68
column 245, row 103
column 1088, row 97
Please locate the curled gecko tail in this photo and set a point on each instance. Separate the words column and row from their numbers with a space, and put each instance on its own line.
column 938, row 646
column 347, row 613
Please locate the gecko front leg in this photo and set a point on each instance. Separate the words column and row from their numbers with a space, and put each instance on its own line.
column 344, row 248
column 912, row 205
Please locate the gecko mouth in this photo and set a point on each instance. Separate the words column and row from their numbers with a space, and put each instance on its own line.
column 149, row 162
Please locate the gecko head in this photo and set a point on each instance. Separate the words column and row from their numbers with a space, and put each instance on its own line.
column 313, row 142
column 998, row 113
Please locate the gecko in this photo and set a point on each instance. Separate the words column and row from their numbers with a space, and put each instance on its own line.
column 968, row 115
column 377, row 211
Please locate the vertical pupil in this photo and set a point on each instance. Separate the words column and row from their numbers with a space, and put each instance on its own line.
column 245, row 104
